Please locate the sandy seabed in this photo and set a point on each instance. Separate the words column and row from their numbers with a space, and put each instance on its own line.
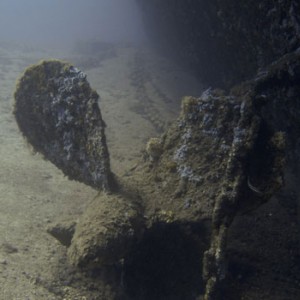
column 140, row 95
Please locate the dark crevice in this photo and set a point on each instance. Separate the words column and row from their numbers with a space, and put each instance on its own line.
column 166, row 263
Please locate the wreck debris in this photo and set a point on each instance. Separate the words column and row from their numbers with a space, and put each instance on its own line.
column 154, row 149
column 58, row 113
column 105, row 232
column 199, row 170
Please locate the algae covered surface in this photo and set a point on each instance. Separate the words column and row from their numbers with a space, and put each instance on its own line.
column 35, row 194
column 187, row 216
column 55, row 97
column 174, row 212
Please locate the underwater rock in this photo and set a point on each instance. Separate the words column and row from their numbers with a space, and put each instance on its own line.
column 105, row 232
column 58, row 113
